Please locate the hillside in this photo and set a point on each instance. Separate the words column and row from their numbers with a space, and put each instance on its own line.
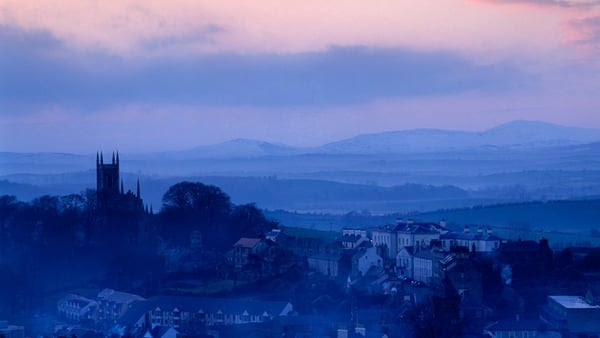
column 581, row 216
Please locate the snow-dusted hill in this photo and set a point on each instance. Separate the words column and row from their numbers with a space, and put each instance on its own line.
column 239, row 148
column 516, row 134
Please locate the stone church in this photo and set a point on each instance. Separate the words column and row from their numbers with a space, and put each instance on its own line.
column 109, row 187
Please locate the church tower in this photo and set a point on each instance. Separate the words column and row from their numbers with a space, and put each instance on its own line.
column 107, row 175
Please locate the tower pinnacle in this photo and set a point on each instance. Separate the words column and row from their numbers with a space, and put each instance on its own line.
column 138, row 188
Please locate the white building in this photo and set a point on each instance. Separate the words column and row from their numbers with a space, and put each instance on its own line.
column 387, row 238
column 406, row 233
column 417, row 235
column 75, row 308
column 423, row 262
column 112, row 305
column 423, row 265
column 572, row 314
column 352, row 238
column 364, row 260
column 404, row 262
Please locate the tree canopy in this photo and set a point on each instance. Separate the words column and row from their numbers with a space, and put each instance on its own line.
column 193, row 206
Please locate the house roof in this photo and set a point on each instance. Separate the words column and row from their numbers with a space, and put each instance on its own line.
column 82, row 301
column 276, row 235
column 573, row 302
column 351, row 238
column 245, row 242
column 361, row 252
column 418, row 228
column 118, row 297
column 430, row 255
column 471, row 236
column 213, row 305
column 159, row 331
column 408, row 248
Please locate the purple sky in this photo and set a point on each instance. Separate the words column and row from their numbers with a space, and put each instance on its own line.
column 77, row 76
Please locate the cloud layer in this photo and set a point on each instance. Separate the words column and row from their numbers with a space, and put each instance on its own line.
column 52, row 74
column 175, row 74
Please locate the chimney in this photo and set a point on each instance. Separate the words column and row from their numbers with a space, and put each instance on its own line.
column 443, row 223
column 489, row 230
column 466, row 229
column 479, row 230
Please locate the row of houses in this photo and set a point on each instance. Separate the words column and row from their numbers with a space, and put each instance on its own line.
column 414, row 249
column 421, row 235
column 104, row 310
column 124, row 313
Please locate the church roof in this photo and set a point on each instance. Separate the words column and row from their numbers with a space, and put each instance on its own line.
column 245, row 242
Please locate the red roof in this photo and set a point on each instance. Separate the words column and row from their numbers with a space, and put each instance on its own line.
column 247, row 242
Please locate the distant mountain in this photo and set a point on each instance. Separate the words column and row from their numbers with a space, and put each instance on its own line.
column 239, row 148
column 40, row 163
column 515, row 146
column 512, row 135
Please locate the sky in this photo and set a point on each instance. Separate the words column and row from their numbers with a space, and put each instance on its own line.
column 139, row 76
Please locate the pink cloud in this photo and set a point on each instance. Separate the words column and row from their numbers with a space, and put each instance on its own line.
column 584, row 33
column 182, row 27
column 567, row 4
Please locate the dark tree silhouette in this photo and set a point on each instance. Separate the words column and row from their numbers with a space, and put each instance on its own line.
column 189, row 207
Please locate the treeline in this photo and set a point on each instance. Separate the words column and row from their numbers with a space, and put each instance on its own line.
column 58, row 242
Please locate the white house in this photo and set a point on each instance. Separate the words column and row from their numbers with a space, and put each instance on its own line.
column 352, row 238
column 404, row 262
column 417, row 235
column 365, row 259
column 75, row 308
column 386, row 237
column 428, row 265
column 406, row 233
column 182, row 312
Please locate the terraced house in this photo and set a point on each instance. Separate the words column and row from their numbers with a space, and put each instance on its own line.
column 193, row 312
